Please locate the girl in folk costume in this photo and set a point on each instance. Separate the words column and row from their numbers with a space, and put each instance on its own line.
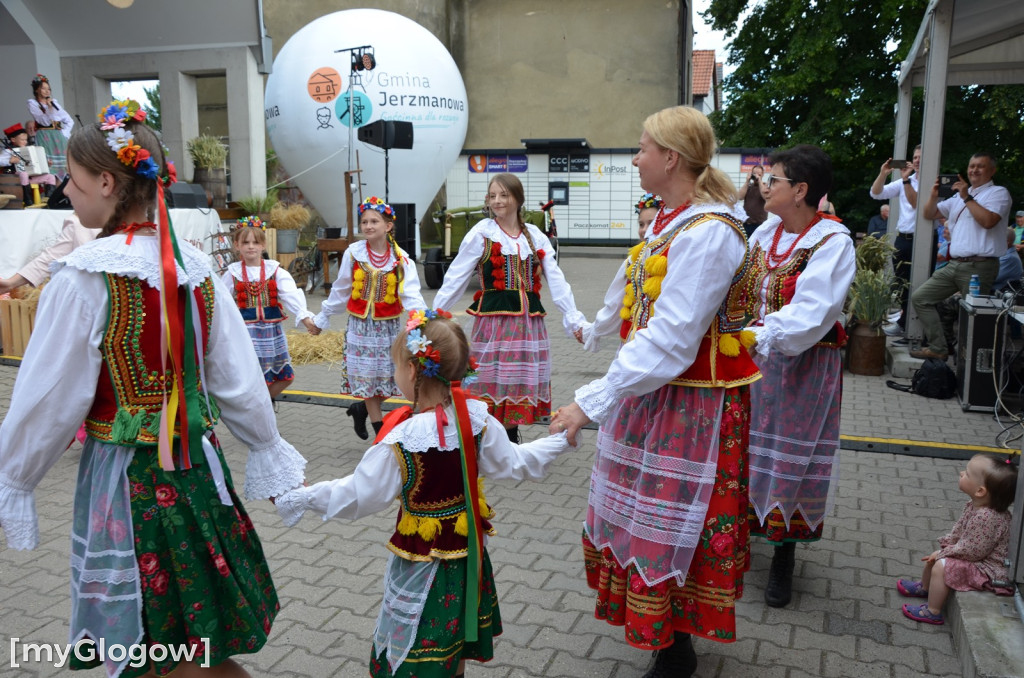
column 665, row 541
column 610, row 319
column 802, row 264
column 135, row 337
column 262, row 291
column 376, row 281
column 440, row 607
column 509, row 339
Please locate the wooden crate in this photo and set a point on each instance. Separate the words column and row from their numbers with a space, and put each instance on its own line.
column 17, row 318
column 271, row 234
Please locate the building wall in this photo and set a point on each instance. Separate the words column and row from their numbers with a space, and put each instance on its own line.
column 539, row 69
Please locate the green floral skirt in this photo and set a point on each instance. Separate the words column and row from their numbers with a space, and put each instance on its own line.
column 440, row 638
column 201, row 566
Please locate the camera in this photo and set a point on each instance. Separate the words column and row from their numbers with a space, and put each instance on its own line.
column 946, row 182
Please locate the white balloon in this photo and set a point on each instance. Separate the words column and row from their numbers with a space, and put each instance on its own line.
column 309, row 95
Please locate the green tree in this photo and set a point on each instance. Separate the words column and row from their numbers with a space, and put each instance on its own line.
column 152, row 106
column 825, row 73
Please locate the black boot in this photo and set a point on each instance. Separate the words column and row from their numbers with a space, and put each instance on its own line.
column 359, row 414
column 780, row 577
column 678, row 660
column 377, row 426
column 513, row 434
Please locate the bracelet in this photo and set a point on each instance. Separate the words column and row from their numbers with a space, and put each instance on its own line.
column 906, row 181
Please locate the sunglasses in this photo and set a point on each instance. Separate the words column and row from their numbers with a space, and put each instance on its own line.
column 770, row 179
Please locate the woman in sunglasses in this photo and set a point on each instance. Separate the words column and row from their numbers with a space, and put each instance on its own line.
column 801, row 265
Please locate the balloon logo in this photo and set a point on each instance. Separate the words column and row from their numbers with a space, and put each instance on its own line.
column 316, row 101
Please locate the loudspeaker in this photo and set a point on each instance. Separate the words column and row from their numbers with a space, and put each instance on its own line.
column 184, row 196
column 405, row 227
column 387, row 134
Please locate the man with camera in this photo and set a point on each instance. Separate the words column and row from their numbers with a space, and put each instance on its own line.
column 974, row 210
column 753, row 200
column 905, row 188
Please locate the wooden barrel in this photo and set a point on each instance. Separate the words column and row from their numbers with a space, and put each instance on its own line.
column 214, row 182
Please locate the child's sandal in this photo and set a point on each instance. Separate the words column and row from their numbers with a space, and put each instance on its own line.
column 911, row 588
column 921, row 613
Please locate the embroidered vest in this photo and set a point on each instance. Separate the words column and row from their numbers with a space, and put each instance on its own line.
column 722, row 360
column 432, row 522
column 782, row 285
column 259, row 303
column 505, row 280
column 130, row 388
column 374, row 292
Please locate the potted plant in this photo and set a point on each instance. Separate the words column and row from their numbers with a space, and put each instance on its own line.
column 208, row 156
column 259, row 205
column 872, row 293
column 289, row 220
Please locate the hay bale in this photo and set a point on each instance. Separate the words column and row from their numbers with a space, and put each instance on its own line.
column 327, row 347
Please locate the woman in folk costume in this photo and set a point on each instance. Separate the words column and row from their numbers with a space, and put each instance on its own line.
column 665, row 539
column 376, row 284
column 134, row 336
column 802, row 264
column 263, row 290
column 509, row 339
column 440, row 606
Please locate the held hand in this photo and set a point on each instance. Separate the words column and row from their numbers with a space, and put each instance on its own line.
column 960, row 186
column 931, row 557
column 6, row 285
column 907, row 170
column 569, row 419
column 310, row 326
column 578, row 333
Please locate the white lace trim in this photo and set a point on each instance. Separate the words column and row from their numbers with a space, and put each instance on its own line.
column 766, row 231
column 273, row 470
column 766, row 337
column 291, row 505
column 419, row 433
column 18, row 515
column 596, row 399
column 140, row 259
column 269, row 265
column 490, row 229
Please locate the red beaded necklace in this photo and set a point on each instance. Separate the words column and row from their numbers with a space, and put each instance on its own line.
column 256, row 288
column 376, row 260
column 772, row 257
column 665, row 218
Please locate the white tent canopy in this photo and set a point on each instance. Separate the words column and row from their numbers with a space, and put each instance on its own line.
column 84, row 45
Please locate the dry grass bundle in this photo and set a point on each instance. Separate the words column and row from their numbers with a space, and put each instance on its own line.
column 289, row 217
column 305, row 349
column 29, row 294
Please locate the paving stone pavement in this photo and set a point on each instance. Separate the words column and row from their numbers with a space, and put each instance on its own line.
column 844, row 619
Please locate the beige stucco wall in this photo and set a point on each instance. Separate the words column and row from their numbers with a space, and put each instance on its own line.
column 540, row 68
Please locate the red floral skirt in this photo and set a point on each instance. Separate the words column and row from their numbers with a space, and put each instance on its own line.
column 704, row 605
column 775, row 530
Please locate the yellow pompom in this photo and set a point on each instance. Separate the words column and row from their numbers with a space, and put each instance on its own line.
column 629, row 271
column 485, row 510
column 628, row 296
column 356, row 294
column 635, row 250
column 747, row 338
column 652, row 287
column 408, row 524
column 626, row 313
column 728, row 345
column 657, row 265
column 429, row 527
column 359, row 274
column 462, row 524
column 389, row 298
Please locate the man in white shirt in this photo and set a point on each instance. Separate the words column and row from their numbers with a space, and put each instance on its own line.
column 973, row 213
column 905, row 188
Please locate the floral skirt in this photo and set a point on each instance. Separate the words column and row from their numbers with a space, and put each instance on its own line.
column 963, row 575
column 369, row 371
column 440, row 638
column 272, row 350
column 514, row 358
column 703, row 605
column 775, row 530
column 55, row 144
column 202, row 573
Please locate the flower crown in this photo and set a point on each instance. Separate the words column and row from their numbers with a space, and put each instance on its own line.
column 648, row 200
column 426, row 355
column 375, row 203
column 39, row 79
column 121, row 141
column 251, row 221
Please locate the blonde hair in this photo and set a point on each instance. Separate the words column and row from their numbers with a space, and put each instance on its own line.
column 449, row 340
column 236, row 237
column 688, row 132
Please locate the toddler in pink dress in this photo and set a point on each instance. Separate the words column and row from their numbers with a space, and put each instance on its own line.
column 971, row 557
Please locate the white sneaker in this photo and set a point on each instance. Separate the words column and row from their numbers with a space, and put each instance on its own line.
column 892, row 330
